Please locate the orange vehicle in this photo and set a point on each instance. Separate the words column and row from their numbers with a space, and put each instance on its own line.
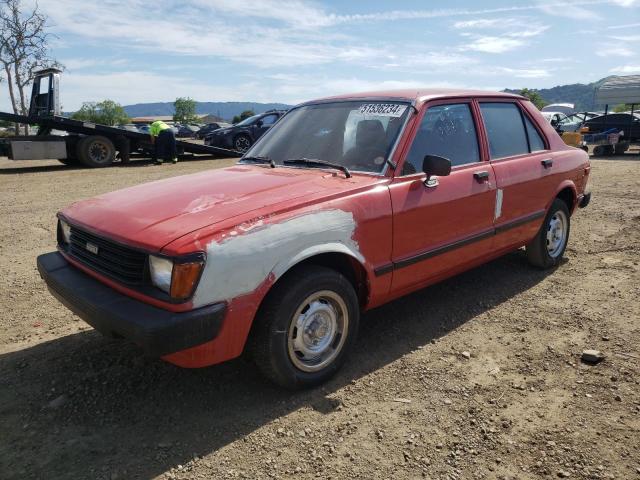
column 345, row 204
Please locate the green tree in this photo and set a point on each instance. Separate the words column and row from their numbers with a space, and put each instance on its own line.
column 106, row 112
column 185, row 110
column 534, row 96
column 242, row 116
column 623, row 107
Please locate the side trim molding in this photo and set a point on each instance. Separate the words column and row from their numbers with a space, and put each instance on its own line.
column 391, row 266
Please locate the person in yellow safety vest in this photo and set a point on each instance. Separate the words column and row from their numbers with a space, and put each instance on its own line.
column 164, row 142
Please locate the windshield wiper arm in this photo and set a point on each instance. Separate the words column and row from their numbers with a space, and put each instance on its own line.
column 259, row 159
column 315, row 163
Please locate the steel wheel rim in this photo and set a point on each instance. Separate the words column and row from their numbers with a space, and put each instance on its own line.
column 98, row 152
column 242, row 144
column 317, row 331
column 557, row 233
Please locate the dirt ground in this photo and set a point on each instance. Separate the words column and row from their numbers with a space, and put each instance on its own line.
column 409, row 404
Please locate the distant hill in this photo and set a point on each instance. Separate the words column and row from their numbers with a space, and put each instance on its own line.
column 226, row 110
column 583, row 96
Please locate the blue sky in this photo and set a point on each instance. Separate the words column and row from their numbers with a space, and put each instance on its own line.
column 135, row 51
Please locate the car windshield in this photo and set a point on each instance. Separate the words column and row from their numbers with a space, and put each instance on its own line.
column 248, row 121
column 358, row 135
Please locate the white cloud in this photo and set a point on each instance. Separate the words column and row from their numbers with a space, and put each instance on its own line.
column 479, row 23
column 568, row 10
column 524, row 72
column 622, row 27
column 626, row 38
column 295, row 13
column 128, row 87
column 488, row 44
column 507, row 33
column 614, row 50
column 74, row 64
column 626, row 69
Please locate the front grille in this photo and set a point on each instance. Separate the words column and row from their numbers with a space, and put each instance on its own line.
column 121, row 263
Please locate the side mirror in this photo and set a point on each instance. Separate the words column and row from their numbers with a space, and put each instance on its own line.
column 435, row 165
column 259, row 123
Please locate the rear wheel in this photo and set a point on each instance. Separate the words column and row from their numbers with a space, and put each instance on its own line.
column 306, row 327
column 96, row 151
column 548, row 246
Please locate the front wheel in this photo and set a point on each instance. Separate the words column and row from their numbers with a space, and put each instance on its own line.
column 306, row 327
column 548, row 246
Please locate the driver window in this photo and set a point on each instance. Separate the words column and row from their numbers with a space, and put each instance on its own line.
column 269, row 119
column 447, row 131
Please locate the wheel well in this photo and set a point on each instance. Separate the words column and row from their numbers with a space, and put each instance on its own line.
column 342, row 263
column 567, row 196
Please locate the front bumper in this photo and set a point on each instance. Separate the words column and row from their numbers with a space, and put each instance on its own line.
column 221, row 141
column 159, row 332
column 584, row 201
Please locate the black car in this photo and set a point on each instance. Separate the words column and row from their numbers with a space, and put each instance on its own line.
column 243, row 134
column 185, row 131
column 619, row 121
column 210, row 127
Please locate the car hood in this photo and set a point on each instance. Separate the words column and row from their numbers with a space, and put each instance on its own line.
column 152, row 215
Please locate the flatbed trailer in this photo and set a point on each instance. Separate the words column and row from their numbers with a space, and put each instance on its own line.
column 84, row 143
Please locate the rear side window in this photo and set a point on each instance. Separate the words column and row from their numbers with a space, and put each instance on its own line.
column 535, row 140
column 505, row 129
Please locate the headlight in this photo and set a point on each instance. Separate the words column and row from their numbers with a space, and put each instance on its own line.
column 65, row 230
column 177, row 279
column 161, row 270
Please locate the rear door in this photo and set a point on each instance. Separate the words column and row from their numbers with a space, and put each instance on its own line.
column 524, row 169
column 445, row 226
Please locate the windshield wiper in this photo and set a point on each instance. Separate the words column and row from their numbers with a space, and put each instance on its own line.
column 315, row 163
column 259, row 159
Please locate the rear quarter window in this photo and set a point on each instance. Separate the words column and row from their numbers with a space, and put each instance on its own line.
column 535, row 140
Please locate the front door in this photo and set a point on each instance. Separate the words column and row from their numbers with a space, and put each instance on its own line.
column 442, row 228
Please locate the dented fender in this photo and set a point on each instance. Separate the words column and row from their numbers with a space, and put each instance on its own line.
column 239, row 262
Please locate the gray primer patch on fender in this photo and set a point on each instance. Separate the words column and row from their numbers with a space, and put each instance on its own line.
column 238, row 264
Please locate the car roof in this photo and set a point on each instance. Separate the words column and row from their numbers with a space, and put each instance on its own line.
column 419, row 95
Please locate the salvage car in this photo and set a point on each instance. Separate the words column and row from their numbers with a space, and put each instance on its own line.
column 210, row 127
column 345, row 204
column 242, row 135
column 621, row 122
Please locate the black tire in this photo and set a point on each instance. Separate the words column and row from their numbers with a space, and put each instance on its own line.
column 241, row 143
column 598, row 150
column 540, row 251
column 621, row 147
column 95, row 151
column 272, row 339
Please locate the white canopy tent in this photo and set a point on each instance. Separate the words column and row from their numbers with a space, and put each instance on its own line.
column 619, row 90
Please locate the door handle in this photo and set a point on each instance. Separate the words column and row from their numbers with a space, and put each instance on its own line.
column 481, row 176
column 547, row 162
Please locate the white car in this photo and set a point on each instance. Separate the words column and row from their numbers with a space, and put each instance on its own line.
column 554, row 118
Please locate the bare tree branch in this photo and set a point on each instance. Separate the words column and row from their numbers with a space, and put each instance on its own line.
column 24, row 49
